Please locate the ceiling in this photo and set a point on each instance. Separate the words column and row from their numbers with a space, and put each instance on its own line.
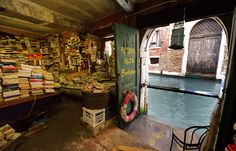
column 46, row 16
column 51, row 16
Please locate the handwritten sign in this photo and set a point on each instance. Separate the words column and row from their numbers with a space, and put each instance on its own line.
column 128, row 55
column 127, row 51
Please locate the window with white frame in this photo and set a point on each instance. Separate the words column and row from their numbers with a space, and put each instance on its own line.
column 155, row 39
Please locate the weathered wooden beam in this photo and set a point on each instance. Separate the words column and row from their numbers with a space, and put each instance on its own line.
column 67, row 8
column 94, row 6
column 108, row 21
column 30, row 9
column 25, row 25
column 19, row 32
column 87, row 14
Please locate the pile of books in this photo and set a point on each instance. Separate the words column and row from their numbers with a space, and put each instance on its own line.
column 49, row 83
column 10, row 82
column 2, row 140
column 7, row 133
column 24, row 74
column 36, row 81
column 22, row 58
column 8, row 46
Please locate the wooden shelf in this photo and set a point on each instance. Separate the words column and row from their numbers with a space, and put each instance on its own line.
column 9, row 52
column 25, row 100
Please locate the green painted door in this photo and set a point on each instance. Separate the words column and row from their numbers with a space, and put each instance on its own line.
column 127, row 64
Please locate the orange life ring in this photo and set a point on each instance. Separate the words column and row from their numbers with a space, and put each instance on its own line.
column 129, row 97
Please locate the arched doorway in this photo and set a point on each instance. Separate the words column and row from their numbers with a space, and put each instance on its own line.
column 204, row 46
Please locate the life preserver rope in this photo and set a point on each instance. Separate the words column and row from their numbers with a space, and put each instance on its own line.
column 129, row 97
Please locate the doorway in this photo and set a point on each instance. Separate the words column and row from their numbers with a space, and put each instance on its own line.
column 201, row 49
column 204, row 47
column 165, row 91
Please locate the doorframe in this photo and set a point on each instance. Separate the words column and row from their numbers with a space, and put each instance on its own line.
column 144, row 74
column 229, row 94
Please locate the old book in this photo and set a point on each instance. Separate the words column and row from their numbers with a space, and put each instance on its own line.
column 8, row 131
column 11, row 93
column 5, row 127
column 3, row 143
column 11, row 98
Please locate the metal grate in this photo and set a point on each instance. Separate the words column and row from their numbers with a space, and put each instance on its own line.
column 206, row 26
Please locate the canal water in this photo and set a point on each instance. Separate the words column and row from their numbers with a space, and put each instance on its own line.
column 180, row 110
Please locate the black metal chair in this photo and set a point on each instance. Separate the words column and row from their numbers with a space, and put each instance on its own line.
column 190, row 139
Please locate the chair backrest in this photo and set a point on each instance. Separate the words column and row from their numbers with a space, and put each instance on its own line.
column 200, row 131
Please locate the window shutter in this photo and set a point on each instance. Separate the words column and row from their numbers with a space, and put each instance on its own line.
column 177, row 38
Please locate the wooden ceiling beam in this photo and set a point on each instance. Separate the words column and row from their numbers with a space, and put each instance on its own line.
column 25, row 25
column 105, row 22
column 30, row 9
column 76, row 8
column 19, row 32
column 94, row 6
column 64, row 4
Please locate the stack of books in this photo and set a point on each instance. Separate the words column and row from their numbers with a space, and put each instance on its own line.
column 7, row 133
column 36, row 82
column 24, row 76
column 24, row 87
column 8, row 61
column 10, row 82
column 3, row 142
column 22, row 58
column 49, row 83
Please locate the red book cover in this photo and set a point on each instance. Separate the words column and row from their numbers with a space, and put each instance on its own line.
column 35, row 80
column 37, row 89
column 8, row 68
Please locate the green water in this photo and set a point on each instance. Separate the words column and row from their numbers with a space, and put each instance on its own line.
column 181, row 110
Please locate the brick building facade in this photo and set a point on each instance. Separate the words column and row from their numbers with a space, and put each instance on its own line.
column 169, row 60
column 174, row 61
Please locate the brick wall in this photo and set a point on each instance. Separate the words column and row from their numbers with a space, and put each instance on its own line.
column 164, row 43
column 154, row 68
column 171, row 60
